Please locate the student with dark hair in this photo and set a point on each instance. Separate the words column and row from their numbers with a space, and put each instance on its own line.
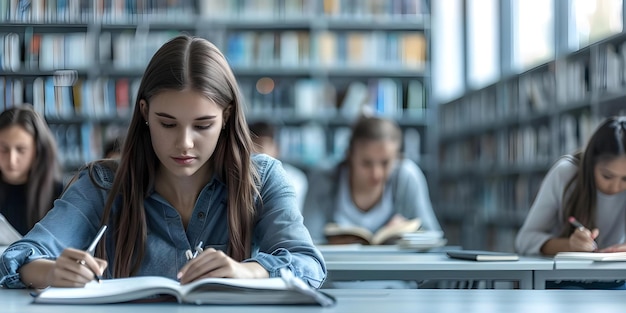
column 589, row 186
column 112, row 148
column 30, row 173
column 263, row 137
column 373, row 187
column 187, row 178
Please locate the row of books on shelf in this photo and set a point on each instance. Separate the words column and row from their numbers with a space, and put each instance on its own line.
column 529, row 145
column 610, row 67
column 327, row 48
column 66, row 94
column 537, row 93
column 277, row 9
column 246, row 49
column 81, row 143
column 476, row 110
column 498, row 196
column 85, row 11
column 76, row 50
column 313, row 144
column 134, row 10
column 313, row 97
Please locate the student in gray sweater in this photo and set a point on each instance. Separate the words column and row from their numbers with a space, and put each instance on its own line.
column 589, row 186
column 372, row 187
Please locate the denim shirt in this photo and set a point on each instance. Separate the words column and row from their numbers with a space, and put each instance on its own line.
column 280, row 239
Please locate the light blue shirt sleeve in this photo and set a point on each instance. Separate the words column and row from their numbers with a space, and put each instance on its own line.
column 282, row 238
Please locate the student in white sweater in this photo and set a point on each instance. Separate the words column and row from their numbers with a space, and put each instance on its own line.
column 589, row 186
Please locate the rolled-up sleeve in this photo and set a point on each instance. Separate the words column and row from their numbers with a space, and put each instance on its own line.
column 72, row 222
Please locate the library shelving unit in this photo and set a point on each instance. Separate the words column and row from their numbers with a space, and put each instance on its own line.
column 497, row 143
column 307, row 66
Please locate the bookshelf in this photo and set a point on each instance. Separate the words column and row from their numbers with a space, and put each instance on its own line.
column 307, row 66
column 497, row 143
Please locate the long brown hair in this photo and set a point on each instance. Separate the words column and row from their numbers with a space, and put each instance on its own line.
column 45, row 172
column 195, row 63
column 607, row 143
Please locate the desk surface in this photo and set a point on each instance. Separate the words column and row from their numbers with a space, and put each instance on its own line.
column 397, row 300
column 426, row 262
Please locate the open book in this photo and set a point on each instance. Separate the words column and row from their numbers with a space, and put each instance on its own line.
column 336, row 234
column 8, row 234
column 287, row 289
column 591, row 256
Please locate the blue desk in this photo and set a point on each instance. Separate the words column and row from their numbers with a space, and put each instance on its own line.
column 580, row 270
column 430, row 266
column 398, row 301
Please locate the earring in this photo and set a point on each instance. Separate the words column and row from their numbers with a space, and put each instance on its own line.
column 147, row 123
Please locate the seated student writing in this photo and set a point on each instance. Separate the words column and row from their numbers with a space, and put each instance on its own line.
column 30, row 175
column 373, row 187
column 186, row 176
column 589, row 186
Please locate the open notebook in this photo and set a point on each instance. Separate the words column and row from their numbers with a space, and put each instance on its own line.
column 287, row 289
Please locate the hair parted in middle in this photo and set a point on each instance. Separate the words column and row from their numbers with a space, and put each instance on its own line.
column 184, row 62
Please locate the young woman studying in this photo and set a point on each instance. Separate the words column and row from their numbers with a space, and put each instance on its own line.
column 30, row 178
column 372, row 188
column 186, row 179
column 587, row 189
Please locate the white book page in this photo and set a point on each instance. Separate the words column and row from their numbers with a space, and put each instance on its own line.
column 111, row 290
column 8, row 234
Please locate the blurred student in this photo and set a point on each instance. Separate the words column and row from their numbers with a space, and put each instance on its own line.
column 186, row 180
column 589, row 186
column 264, row 139
column 30, row 174
column 112, row 148
column 373, row 187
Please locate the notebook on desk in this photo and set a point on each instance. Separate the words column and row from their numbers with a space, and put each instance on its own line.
column 592, row 256
column 481, row 255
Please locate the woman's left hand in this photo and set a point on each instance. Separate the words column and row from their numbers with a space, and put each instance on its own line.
column 215, row 263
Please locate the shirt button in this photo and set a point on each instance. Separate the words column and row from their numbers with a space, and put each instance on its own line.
column 200, row 214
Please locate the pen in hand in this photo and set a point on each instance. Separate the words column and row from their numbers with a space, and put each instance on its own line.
column 92, row 249
column 572, row 220
column 190, row 256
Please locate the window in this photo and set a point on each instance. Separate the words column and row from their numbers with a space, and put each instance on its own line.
column 592, row 20
column 533, row 32
column 447, row 40
column 482, row 42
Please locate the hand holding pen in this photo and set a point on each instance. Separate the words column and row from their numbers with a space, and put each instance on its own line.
column 75, row 267
column 583, row 239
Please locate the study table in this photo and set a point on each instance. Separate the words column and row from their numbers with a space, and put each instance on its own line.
column 350, row 300
column 580, row 270
column 430, row 266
